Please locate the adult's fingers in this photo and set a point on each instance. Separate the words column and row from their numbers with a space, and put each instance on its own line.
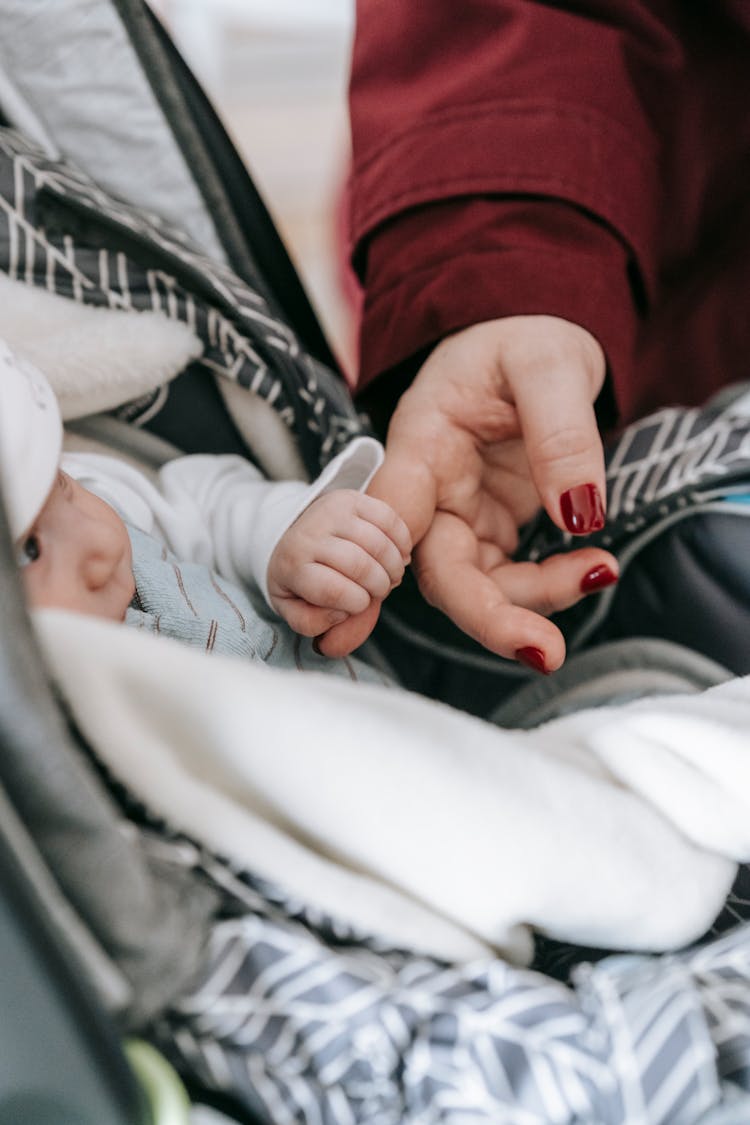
column 559, row 581
column 446, row 565
column 554, row 390
column 477, row 606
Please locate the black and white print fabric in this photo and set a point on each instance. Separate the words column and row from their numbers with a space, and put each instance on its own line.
column 667, row 463
column 59, row 230
column 312, row 1026
column 306, row 1020
column 669, row 467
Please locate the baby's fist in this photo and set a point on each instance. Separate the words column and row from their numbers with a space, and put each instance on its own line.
column 344, row 551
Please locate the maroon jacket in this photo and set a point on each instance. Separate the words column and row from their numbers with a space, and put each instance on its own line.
column 586, row 160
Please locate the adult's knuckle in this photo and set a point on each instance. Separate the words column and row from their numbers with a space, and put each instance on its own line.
column 488, row 622
column 544, row 604
column 567, row 444
column 428, row 583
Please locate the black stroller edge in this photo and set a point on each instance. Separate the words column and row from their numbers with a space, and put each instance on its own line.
column 246, row 230
column 60, row 1059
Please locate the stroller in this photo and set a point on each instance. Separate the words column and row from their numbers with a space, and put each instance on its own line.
column 148, row 979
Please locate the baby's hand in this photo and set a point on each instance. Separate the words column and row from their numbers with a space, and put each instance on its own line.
column 344, row 552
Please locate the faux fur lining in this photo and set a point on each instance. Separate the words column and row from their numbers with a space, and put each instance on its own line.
column 95, row 358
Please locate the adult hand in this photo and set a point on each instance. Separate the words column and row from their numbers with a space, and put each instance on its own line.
column 499, row 419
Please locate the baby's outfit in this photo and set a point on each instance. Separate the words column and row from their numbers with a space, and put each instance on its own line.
column 192, row 603
column 202, row 537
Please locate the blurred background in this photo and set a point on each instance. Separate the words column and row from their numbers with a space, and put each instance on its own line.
column 277, row 72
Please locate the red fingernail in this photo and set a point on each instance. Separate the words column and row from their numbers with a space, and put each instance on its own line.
column 532, row 658
column 582, row 509
column 597, row 579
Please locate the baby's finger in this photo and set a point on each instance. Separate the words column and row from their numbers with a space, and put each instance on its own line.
column 383, row 516
column 329, row 588
column 357, row 564
column 350, row 634
column 559, row 581
column 308, row 620
column 378, row 546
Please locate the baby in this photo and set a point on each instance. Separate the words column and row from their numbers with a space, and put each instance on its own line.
column 211, row 552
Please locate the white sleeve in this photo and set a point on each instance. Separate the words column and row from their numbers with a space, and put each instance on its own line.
column 245, row 515
column 220, row 510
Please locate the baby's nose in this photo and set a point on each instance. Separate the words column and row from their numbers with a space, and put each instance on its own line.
column 96, row 572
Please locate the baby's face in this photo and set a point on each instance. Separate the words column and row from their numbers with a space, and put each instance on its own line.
column 77, row 554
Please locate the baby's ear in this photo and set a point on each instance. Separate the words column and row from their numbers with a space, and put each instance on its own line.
column 342, row 639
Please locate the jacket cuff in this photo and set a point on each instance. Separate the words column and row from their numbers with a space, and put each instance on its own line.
column 441, row 268
column 534, row 148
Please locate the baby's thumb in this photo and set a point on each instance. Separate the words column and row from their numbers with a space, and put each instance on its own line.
column 347, row 636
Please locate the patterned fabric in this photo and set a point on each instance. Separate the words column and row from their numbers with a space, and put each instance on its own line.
column 305, row 1019
column 317, row 1026
column 59, row 230
column 662, row 466
column 193, row 604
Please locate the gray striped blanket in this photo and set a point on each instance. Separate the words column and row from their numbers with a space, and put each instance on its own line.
column 308, row 1023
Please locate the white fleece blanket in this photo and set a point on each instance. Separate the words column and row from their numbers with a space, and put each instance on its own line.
column 423, row 825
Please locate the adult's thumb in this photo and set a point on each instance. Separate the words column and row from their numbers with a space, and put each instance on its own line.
column 563, row 445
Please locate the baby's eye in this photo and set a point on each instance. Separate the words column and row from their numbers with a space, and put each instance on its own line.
column 29, row 551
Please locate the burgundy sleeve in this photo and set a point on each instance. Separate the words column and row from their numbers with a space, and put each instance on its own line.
column 460, row 262
column 507, row 161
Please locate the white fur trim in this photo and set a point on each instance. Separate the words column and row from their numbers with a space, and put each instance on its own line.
column 94, row 358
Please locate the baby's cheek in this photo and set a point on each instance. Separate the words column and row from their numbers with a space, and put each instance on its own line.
column 31, row 586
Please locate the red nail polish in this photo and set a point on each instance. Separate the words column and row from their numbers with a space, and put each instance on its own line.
column 582, row 509
column 532, row 658
column 597, row 579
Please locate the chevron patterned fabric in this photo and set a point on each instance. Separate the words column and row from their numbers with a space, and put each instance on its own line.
column 317, row 1025
column 672, row 460
column 59, row 230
